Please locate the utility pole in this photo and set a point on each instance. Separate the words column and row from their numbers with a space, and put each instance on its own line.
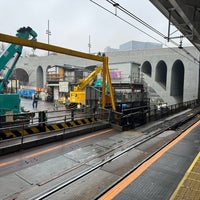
column 89, row 44
column 48, row 32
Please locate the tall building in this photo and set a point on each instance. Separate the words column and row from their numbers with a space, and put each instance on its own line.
column 134, row 45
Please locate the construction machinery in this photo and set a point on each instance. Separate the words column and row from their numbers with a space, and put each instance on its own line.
column 10, row 103
column 128, row 114
column 77, row 96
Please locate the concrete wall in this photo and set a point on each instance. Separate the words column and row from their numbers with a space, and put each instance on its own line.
column 124, row 61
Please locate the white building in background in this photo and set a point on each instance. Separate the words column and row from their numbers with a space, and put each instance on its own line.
column 172, row 73
column 134, row 45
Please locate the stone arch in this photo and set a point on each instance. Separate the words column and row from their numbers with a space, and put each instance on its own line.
column 177, row 80
column 146, row 68
column 48, row 68
column 161, row 73
column 39, row 77
column 21, row 75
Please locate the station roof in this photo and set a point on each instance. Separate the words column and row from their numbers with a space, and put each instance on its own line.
column 185, row 15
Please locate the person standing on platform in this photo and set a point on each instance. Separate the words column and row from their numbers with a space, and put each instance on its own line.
column 35, row 100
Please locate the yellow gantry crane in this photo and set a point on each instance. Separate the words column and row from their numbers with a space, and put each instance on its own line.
column 39, row 45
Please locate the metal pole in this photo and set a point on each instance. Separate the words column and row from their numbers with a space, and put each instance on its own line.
column 89, row 44
column 48, row 32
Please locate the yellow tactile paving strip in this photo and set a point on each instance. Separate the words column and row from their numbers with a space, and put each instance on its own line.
column 189, row 187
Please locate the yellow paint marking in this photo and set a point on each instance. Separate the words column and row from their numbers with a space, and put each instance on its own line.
column 47, row 129
column 93, row 120
column 64, row 125
column 72, row 123
column 80, row 122
column 112, row 193
column 55, row 127
column 23, row 132
column 8, row 134
column 54, row 148
column 35, row 130
column 180, row 192
column 87, row 121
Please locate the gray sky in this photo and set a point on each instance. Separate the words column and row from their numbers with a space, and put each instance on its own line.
column 72, row 21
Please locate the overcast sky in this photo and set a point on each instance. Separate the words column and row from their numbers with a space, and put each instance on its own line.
column 72, row 21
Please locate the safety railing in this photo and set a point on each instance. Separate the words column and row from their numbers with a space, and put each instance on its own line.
column 130, row 118
column 155, row 112
column 42, row 119
column 108, row 115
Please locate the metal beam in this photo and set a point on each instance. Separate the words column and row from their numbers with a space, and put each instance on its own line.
column 180, row 8
column 48, row 47
column 182, row 15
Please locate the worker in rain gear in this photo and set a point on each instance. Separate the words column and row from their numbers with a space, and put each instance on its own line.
column 35, row 100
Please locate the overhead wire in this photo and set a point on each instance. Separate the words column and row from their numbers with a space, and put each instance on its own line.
column 115, row 4
column 125, row 21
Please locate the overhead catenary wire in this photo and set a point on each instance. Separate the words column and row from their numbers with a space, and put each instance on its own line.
column 126, row 21
column 116, row 5
column 148, row 26
column 135, row 17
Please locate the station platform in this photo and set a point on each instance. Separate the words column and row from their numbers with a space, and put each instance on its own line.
column 189, row 187
column 174, row 174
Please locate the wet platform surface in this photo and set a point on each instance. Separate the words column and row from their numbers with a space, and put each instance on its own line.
column 162, row 178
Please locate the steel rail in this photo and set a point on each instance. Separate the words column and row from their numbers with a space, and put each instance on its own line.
column 62, row 185
column 141, row 163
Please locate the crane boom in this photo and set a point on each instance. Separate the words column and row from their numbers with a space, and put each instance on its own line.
column 9, row 53
column 84, row 82
column 11, row 102
column 77, row 96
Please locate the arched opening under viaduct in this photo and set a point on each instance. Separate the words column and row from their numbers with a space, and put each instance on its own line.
column 161, row 73
column 177, row 80
column 146, row 68
column 21, row 75
column 39, row 77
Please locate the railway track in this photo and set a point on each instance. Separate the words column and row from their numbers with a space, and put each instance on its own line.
column 114, row 161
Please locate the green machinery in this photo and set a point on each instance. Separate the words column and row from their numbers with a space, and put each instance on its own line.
column 10, row 103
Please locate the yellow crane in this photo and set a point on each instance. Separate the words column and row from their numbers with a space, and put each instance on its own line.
column 77, row 96
column 48, row 47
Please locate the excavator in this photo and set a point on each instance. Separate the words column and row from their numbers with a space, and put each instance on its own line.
column 10, row 103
